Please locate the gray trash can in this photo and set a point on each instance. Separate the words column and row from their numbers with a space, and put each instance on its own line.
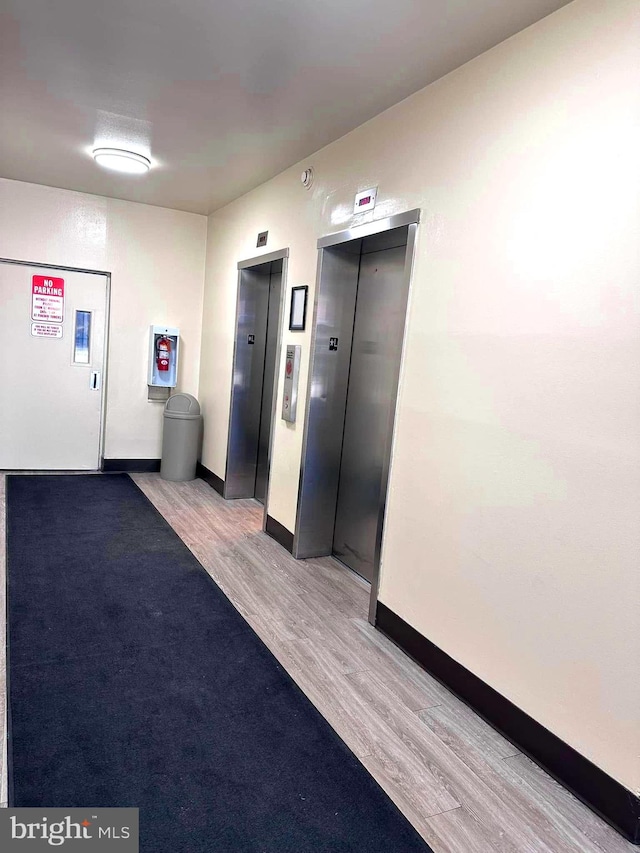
column 180, row 438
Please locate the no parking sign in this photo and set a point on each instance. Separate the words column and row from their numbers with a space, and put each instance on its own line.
column 47, row 299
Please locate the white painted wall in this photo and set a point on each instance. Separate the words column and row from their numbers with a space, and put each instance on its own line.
column 512, row 536
column 156, row 260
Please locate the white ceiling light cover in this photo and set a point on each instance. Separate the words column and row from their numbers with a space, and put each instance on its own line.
column 122, row 161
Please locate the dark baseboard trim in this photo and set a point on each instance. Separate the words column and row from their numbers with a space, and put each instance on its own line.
column 280, row 533
column 131, row 466
column 611, row 800
column 208, row 476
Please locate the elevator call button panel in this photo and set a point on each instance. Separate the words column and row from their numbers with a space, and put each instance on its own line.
column 290, row 393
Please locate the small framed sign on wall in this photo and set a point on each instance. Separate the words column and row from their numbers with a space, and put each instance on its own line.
column 298, row 315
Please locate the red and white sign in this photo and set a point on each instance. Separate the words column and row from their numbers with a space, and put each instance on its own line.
column 47, row 299
column 44, row 330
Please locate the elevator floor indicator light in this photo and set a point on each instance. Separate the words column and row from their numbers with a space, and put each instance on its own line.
column 365, row 200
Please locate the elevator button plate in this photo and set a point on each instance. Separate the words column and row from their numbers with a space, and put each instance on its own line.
column 290, row 391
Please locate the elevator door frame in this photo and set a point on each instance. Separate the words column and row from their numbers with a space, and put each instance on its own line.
column 279, row 255
column 312, row 537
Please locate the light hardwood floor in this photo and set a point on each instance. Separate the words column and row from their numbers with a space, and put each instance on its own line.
column 463, row 786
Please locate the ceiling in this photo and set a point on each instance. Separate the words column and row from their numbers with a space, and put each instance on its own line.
column 221, row 94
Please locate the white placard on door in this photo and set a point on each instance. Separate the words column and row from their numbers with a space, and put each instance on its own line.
column 46, row 330
column 47, row 299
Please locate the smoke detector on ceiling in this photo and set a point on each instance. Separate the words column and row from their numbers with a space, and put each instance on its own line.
column 306, row 178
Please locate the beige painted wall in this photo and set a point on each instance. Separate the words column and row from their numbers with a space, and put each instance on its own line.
column 512, row 535
column 156, row 260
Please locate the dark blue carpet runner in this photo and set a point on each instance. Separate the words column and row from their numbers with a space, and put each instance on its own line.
column 134, row 682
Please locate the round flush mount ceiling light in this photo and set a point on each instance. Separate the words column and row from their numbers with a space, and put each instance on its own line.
column 121, row 161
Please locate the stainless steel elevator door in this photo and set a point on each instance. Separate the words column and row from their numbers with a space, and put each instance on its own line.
column 248, row 373
column 375, row 363
column 254, row 366
column 273, row 314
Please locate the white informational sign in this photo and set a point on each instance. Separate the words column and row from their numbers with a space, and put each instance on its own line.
column 298, row 308
column 46, row 330
column 47, row 299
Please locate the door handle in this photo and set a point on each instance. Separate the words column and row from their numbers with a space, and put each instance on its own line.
column 94, row 385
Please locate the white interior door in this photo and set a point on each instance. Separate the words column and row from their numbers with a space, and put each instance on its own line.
column 51, row 367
